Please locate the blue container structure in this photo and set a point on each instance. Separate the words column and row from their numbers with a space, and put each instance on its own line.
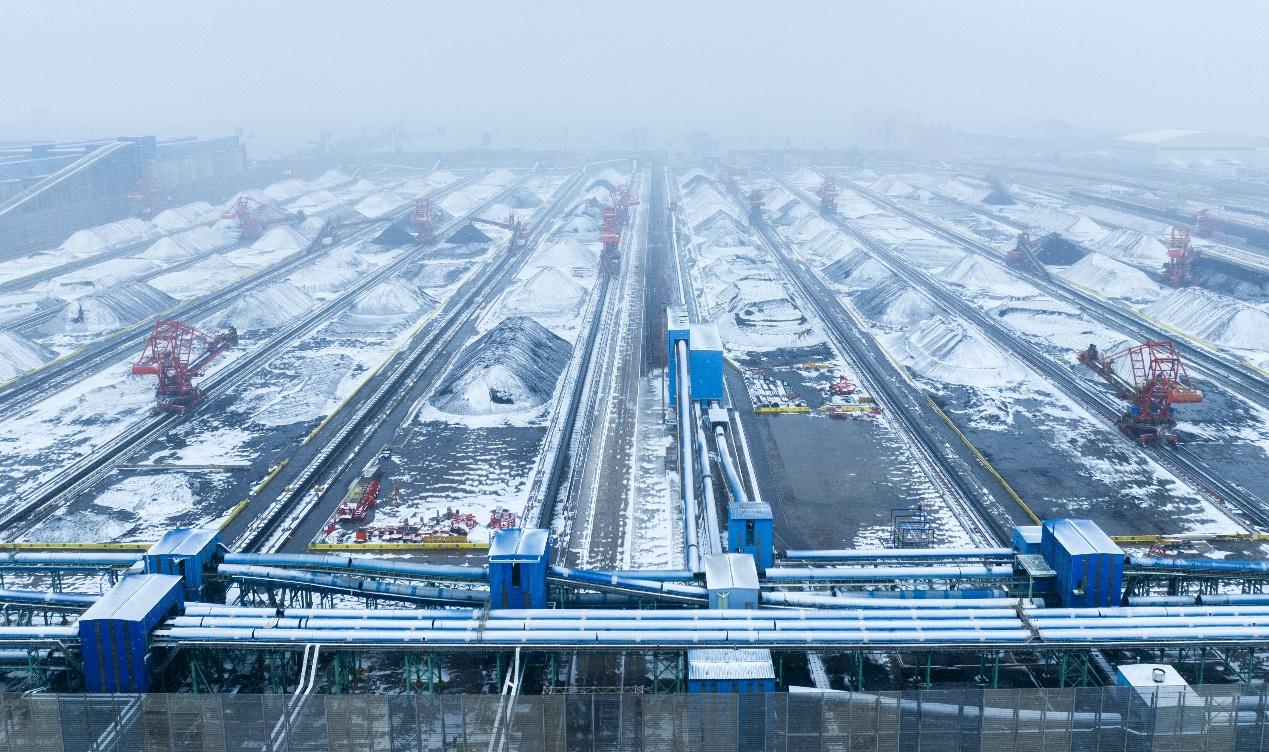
column 730, row 670
column 518, row 563
column 1089, row 566
column 705, row 363
column 750, row 531
column 187, row 552
column 114, row 633
column 1026, row 539
column 677, row 328
column 732, row 580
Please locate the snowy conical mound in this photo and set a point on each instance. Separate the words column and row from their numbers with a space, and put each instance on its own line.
column 511, row 368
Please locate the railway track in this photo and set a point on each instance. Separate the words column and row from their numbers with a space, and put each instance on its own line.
column 1231, row 375
column 98, row 465
column 1240, row 505
column 273, row 527
column 56, row 375
column 898, row 398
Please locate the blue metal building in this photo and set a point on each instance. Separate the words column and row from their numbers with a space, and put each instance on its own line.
column 1089, row 565
column 114, row 633
column 518, row 561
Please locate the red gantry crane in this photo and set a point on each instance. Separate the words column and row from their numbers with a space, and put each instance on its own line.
column 177, row 354
column 254, row 217
column 519, row 230
column 610, row 237
column 828, row 197
column 1179, row 269
column 424, row 221
column 1151, row 378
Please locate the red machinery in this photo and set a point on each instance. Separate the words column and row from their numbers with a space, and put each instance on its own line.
column 519, row 230
column 1179, row 270
column 828, row 197
column 177, row 354
column 842, row 386
column 624, row 201
column 361, row 498
column 1152, row 381
column 254, row 217
column 1023, row 255
column 1203, row 225
column 610, row 236
column 502, row 519
column 424, row 221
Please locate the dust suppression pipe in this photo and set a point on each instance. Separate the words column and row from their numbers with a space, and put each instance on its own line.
column 687, row 477
column 729, row 467
column 713, row 543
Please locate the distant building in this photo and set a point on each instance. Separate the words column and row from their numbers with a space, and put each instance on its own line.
column 1202, row 150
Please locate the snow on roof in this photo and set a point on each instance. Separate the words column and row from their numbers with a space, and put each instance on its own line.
column 708, row 664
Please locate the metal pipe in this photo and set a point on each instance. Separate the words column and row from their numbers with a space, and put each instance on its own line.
column 729, row 466
column 47, row 598
column 357, row 585
column 837, row 601
column 891, row 554
column 71, row 558
column 652, row 587
column 662, row 575
column 802, row 574
column 358, row 564
column 1196, row 565
column 687, row 476
column 713, row 543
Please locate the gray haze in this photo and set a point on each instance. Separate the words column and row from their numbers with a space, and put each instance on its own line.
column 752, row 74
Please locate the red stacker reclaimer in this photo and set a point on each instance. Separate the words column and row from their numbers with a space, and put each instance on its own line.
column 828, row 197
column 519, row 230
column 424, row 221
column 1151, row 378
column 624, row 201
column 254, row 217
column 1179, row 269
column 177, row 354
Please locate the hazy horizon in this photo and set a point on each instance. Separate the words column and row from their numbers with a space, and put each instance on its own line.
column 580, row 74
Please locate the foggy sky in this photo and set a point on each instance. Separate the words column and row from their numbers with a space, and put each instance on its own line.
column 752, row 73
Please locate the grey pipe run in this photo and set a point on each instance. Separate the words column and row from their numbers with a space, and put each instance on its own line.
column 648, row 588
column 47, row 598
column 899, row 554
column 1197, row 565
column 823, row 600
column 713, row 540
column 357, row 564
column 687, row 476
column 70, row 559
column 729, row 466
column 362, row 586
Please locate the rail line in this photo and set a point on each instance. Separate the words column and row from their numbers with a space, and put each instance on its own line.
column 274, row 526
column 54, row 376
column 912, row 417
column 96, row 466
column 1183, row 463
column 1234, row 376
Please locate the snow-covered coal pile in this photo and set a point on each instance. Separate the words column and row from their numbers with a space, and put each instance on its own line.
column 329, row 179
column 568, row 255
column 858, row 270
column 892, row 186
column 99, row 277
column 1055, row 250
column 168, row 249
column 316, row 201
column 337, row 270
column 609, row 179
column 388, row 307
column 549, row 295
column 943, row 350
column 19, row 305
column 828, row 247
column 181, row 217
column 110, row 309
column 966, row 189
column 511, row 368
column 893, row 303
column 1076, row 226
column 976, row 273
column 396, row 234
column 1112, row 279
column 1215, row 318
column 380, row 204
column 109, row 236
column 266, row 308
column 285, row 190
column 206, row 275
column 1134, row 248
column 19, row 355
column 274, row 245
column 433, row 275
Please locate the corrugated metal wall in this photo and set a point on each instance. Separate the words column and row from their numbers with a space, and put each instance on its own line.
column 1206, row 719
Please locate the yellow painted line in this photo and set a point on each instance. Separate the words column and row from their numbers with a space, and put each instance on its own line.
column 849, row 408
column 31, row 546
column 1003, row 483
column 782, row 409
column 1184, row 537
column 268, row 478
column 237, row 510
column 398, row 547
